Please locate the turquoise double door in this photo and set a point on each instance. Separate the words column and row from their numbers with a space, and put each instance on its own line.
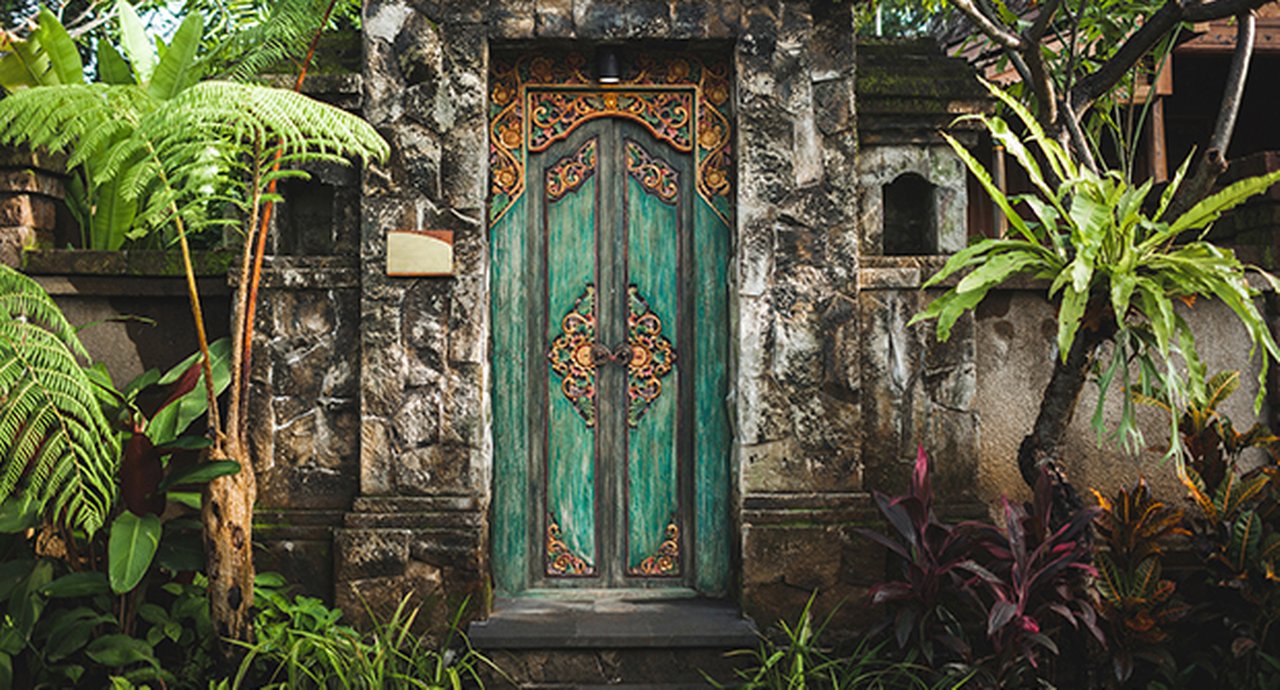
column 610, row 356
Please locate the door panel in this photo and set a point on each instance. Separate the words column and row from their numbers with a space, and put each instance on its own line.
column 610, row 425
column 615, row 203
column 571, row 216
column 652, row 197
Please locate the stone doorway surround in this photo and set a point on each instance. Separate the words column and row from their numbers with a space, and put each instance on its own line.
column 421, row 521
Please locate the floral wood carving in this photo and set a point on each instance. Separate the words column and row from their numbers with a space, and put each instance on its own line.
column 658, row 90
column 571, row 171
column 571, row 355
column 553, row 115
column 666, row 562
column 652, row 356
column 560, row 558
column 652, row 173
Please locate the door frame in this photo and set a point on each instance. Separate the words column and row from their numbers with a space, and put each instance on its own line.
column 694, row 90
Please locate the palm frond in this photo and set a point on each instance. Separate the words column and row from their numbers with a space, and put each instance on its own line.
column 56, row 446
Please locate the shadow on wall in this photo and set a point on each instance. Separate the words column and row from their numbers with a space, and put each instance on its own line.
column 1015, row 332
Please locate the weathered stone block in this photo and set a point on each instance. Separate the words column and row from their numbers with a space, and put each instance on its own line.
column 513, row 19
column 463, row 168
column 597, row 19
column 417, row 422
column 377, row 457
column 782, row 565
column 29, row 210
column 305, row 564
column 437, row 469
column 553, row 18
column 462, row 418
column 383, row 373
column 701, row 19
column 371, row 554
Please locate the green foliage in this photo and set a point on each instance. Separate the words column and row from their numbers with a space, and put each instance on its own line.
column 211, row 143
column 47, row 57
column 1114, row 267
column 147, row 156
column 1234, row 532
column 272, row 36
column 57, row 448
column 899, row 18
column 131, row 548
column 302, row 644
column 796, row 657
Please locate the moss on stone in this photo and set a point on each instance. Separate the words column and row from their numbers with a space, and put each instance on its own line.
column 136, row 263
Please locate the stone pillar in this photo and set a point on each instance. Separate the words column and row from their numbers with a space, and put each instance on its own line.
column 31, row 187
column 420, row 524
column 798, row 379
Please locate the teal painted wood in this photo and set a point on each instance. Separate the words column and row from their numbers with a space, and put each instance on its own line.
column 653, row 480
column 509, row 251
column 539, row 270
column 711, row 413
column 571, row 462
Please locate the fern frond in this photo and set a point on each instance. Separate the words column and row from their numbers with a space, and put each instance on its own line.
column 282, row 36
column 23, row 298
column 56, row 445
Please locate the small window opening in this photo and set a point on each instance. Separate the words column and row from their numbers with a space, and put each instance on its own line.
column 910, row 216
column 306, row 218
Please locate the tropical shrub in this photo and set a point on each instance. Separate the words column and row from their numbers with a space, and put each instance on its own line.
column 57, row 448
column 303, row 644
column 931, row 596
column 1136, row 602
column 1031, row 576
column 77, row 456
column 1234, row 527
column 1116, row 265
column 993, row 598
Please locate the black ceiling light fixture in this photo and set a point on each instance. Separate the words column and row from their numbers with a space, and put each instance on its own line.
column 608, row 65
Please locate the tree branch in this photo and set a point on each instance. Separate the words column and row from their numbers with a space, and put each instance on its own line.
column 1002, row 36
column 1140, row 42
column 1078, row 140
column 1214, row 162
column 1246, row 32
column 1041, row 25
column 1041, row 84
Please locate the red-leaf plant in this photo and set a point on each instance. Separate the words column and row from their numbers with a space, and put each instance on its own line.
column 926, row 606
column 1033, row 579
column 1018, row 584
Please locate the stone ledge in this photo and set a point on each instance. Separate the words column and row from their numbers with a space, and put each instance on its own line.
column 416, row 520
column 615, row 622
column 309, row 272
column 131, row 263
column 305, row 525
column 127, row 286
column 415, row 504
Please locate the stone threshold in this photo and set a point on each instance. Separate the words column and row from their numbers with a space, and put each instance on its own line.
column 614, row 620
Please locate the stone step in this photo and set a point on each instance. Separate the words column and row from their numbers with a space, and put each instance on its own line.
column 629, row 668
column 620, row 640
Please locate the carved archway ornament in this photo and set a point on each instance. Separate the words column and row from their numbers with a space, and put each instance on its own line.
column 681, row 98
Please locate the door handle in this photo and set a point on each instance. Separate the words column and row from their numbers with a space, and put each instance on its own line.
column 601, row 355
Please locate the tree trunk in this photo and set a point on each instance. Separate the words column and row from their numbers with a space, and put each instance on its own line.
column 1041, row 449
column 228, row 531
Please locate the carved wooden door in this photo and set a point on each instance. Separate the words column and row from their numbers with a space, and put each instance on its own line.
column 613, row 473
column 610, row 347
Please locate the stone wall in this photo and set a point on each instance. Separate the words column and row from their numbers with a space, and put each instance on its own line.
column 425, row 452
